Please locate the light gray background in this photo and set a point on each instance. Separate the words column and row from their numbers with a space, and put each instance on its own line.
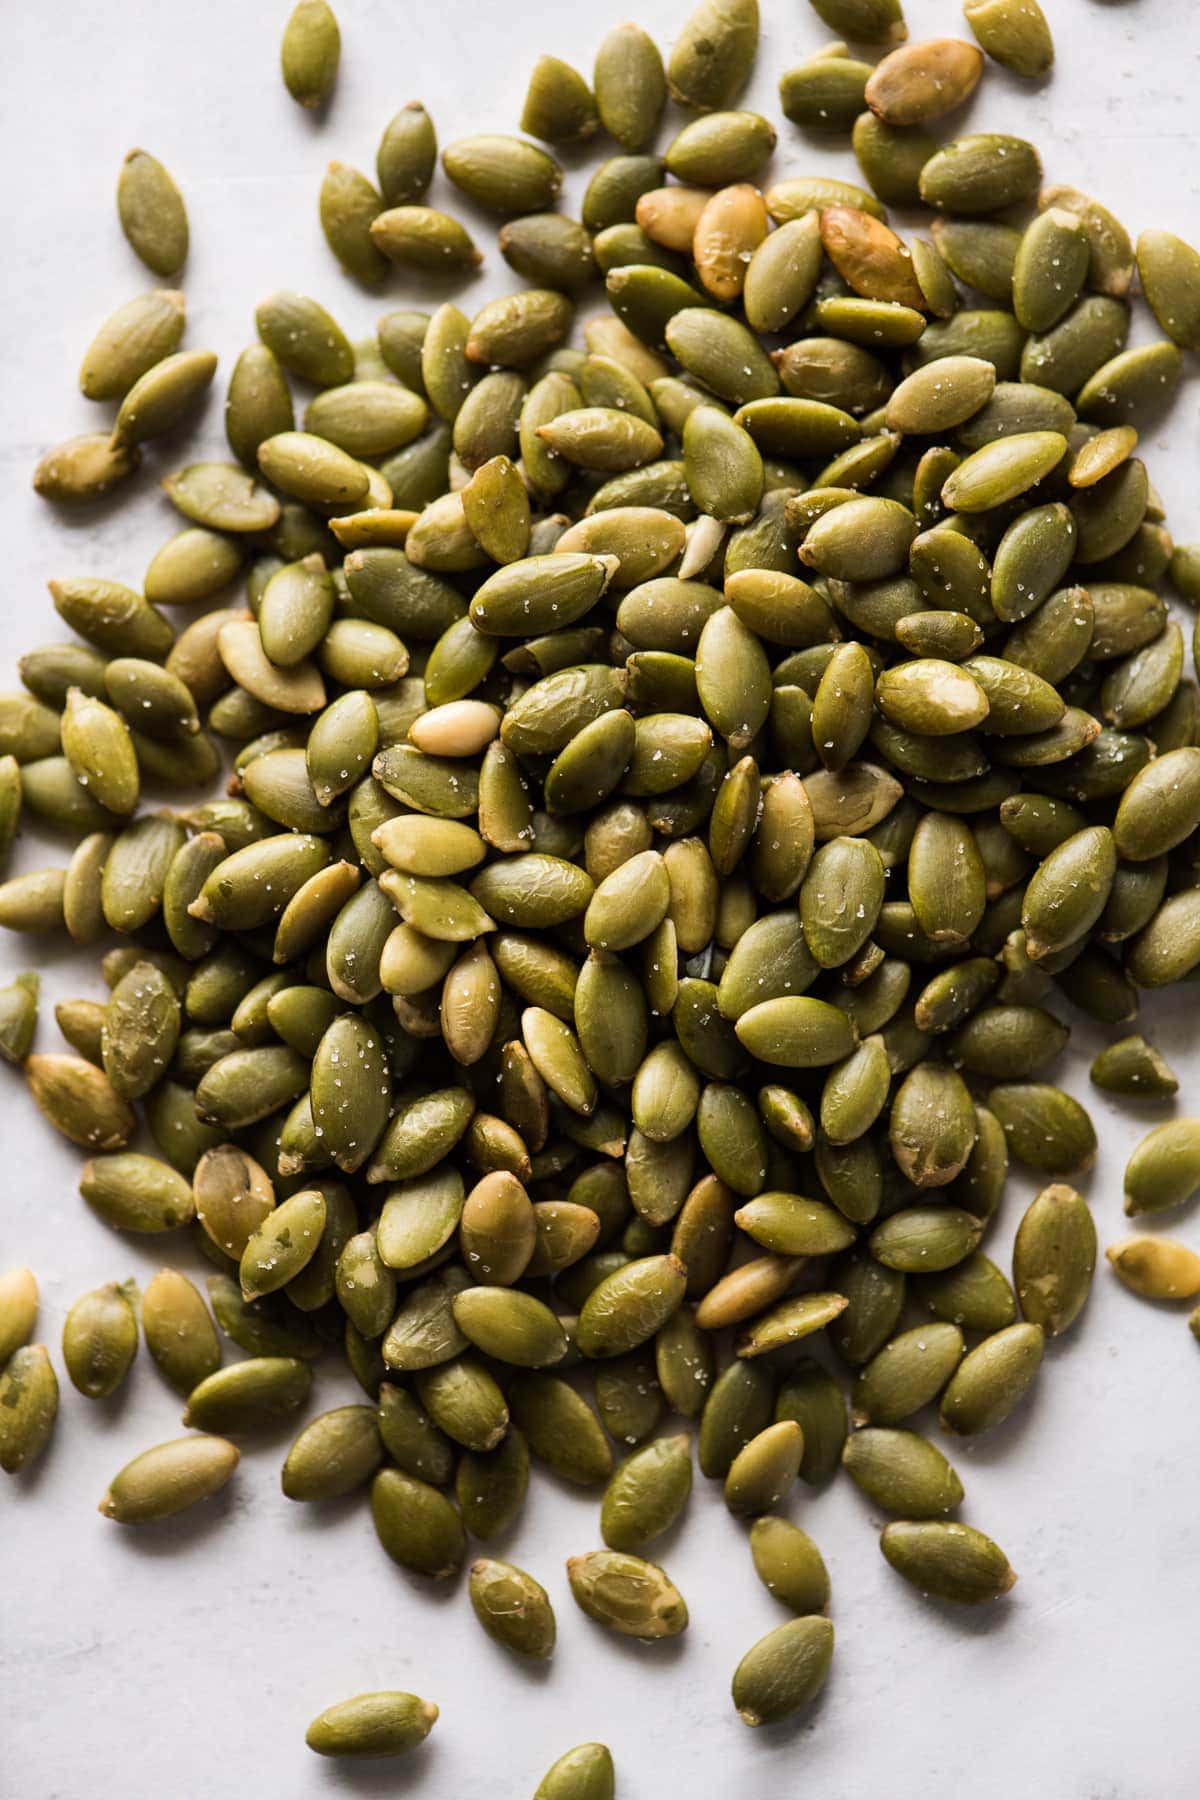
column 186, row 1660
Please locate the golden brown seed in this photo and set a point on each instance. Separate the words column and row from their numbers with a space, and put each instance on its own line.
column 1156, row 1268
column 670, row 215
column 728, row 232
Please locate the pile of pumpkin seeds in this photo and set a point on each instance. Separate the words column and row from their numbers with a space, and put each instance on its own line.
column 671, row 779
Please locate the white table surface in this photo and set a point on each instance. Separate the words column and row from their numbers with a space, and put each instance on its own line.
column 184, row 1661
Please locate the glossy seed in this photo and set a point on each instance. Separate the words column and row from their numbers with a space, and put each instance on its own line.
column 512, row 1607
column 628, row 1595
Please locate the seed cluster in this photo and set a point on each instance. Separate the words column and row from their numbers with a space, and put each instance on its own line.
column 671, row 778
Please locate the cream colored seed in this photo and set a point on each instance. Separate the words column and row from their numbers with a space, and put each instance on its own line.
column 460, row 728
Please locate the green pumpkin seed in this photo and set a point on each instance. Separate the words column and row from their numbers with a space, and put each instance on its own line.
column 788, row 1321
column 992, row 1379
column 168, row 1479
column 135, row 337
column 1167, row 268
column 981, row 174
column 152, row 214
column 83, row 469
column 903, row 1473
column 512, row 1607
column 1054, row 1257
column 1131, row 385
column 789, row 1565
column 1014, row 33
column 1132, row 1066
column 100, row 1339
column 310, row 52
column 585, row 1773
column 1163, row 1170
column 382, row 1724
column 249, row 1396
column 406, row 158
column 631, row 1597
column 784, row 1671
column 630, row 1305
column 764, row 1469
column 335, row 1454
column 646, row 1494
column 974, row 1295
column 952, row 1562
column 712, row 57
column 1049, row 270
column 562, row 1429
column 907, row 1373
column 504, row 174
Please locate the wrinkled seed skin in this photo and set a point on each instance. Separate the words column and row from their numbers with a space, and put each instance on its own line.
column 512, row 1607
column 630, row 1596
column 784, row 1671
